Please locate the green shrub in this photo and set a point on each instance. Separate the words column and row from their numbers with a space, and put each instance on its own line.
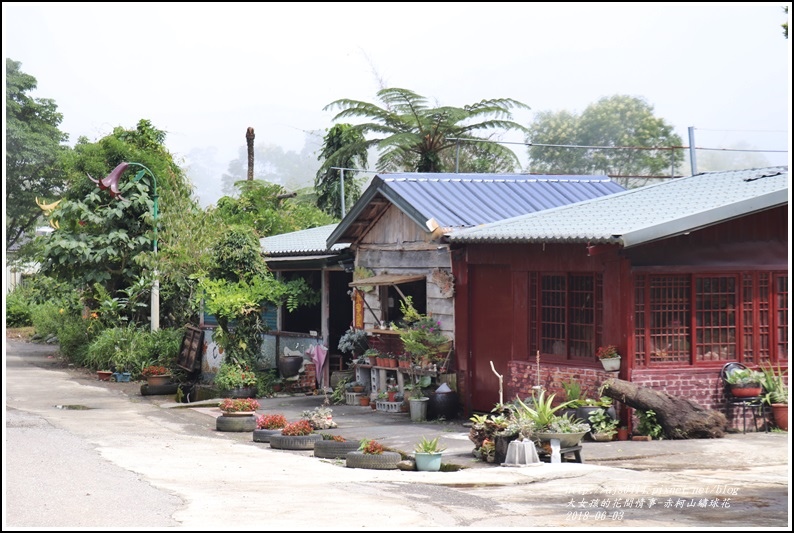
column 75, row 335
column 19, row 311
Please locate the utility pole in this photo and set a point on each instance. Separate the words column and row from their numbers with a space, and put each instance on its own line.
column 692, row 159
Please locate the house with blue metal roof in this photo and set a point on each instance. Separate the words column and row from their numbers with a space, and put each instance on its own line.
column 683, row 277
column 397, row 231
column 391, row 245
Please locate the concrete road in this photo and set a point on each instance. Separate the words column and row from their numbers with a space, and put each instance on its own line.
column 81, row 453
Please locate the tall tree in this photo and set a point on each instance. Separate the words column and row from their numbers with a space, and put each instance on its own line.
column 635, row 142
column 343, row 147
column 109, row 241
column 413, row 136
column 33, row 146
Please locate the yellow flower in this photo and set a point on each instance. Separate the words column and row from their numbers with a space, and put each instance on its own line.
column 60, row 310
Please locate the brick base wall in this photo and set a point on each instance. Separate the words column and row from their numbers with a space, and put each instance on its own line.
column 702, row 386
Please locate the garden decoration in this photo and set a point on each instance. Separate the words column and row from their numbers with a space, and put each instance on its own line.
column 111, row 183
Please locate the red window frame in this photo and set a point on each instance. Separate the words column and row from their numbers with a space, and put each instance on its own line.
column 710, row 318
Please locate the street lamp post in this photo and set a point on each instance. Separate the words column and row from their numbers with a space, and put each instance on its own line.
column 111, row 182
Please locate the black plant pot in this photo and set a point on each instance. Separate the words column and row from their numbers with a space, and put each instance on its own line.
column 442, row 405
column 289, row 365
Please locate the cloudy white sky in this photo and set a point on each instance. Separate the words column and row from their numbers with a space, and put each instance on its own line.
column 204, row 72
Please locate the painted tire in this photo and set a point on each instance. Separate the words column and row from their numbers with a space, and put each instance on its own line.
column 235, row 423
column 295, row 442
column 263, row 435
column 384, row 461
column 331, row 449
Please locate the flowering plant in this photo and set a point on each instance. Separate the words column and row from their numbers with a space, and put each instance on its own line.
column 607, row 352
column 371, row 447
column 271, row 422
column 297, row 429
column 236, row 405
column 335, row 438
column 155, row 370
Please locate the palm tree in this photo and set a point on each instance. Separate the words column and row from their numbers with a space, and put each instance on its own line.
column 419, row 138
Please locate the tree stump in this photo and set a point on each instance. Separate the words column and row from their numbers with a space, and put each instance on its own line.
column 680, row 418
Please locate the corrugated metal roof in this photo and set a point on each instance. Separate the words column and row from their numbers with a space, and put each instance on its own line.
column 638, row 216
column 466, row 200
column 308, row 241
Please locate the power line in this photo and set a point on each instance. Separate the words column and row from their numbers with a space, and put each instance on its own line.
column 589, row 147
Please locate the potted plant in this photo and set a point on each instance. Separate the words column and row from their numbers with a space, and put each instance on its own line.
column 319, row 417
column 268, row 425
column 371, row 454
column 235, row 381
column 238, row 406
column 776, row 394
column 609, row 357
column 602, row 426
column 428, row 454
column 156, row 375
column 745, row 382
column 353, row 341
column 540, row 412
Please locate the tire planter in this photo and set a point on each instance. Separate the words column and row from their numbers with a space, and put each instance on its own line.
column 160, row 390
column 331, row 449
column 237, row 424
column 294, row 442
column 263, row 435
column 384, row 461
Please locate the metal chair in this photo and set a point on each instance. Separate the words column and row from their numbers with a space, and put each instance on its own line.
column 754, row 403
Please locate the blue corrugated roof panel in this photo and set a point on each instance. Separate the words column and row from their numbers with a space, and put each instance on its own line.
column 645, row 214
column 465, row 200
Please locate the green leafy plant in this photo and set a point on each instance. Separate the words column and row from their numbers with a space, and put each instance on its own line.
column 648, row 424
column 338, row 394
column 429, row 446
column 573, row 393
column 298, row 429
column 233, row 376
column 335, row 438
column 774, row 384
column 745, row 377
column 353, row 341
column 601, row 422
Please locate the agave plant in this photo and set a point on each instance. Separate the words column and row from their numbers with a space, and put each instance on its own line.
column 540, row 410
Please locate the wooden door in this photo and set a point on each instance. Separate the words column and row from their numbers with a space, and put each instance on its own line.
column 490, row 332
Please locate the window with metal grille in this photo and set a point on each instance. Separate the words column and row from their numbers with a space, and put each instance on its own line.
column 569, row 307
column 702, row 318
